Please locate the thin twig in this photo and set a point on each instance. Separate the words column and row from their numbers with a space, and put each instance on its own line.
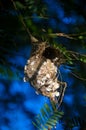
column 61, row 35
column 70, row 36
column 78, row 76
column 82, row 33
column 41, row 17
column 21, row 18
column 33, row 39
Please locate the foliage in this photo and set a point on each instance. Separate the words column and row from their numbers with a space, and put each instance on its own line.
column 70, row 56
column 19, row 26
column 32, row 21
column 48, row 118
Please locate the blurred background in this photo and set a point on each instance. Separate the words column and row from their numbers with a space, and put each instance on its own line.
column 19, row 104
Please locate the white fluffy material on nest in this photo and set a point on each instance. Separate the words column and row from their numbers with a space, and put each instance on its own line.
column 45, row 79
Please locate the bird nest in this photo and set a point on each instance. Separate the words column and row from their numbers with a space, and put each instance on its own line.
column 42, row 71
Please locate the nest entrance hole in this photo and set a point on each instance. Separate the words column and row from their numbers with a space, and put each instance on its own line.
column 51, row 53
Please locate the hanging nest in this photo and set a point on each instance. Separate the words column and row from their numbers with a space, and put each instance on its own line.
column 42, row 71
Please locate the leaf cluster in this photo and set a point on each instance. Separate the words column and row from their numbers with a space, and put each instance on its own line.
column 70, row 56
column 48, row 118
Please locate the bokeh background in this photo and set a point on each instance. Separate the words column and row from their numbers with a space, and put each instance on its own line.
column 19, row 104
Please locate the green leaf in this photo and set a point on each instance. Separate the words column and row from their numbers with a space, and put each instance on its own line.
column 35, row 125
column 53, row 105
column 80, row 37
column 47, row 108
column 44, row 114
